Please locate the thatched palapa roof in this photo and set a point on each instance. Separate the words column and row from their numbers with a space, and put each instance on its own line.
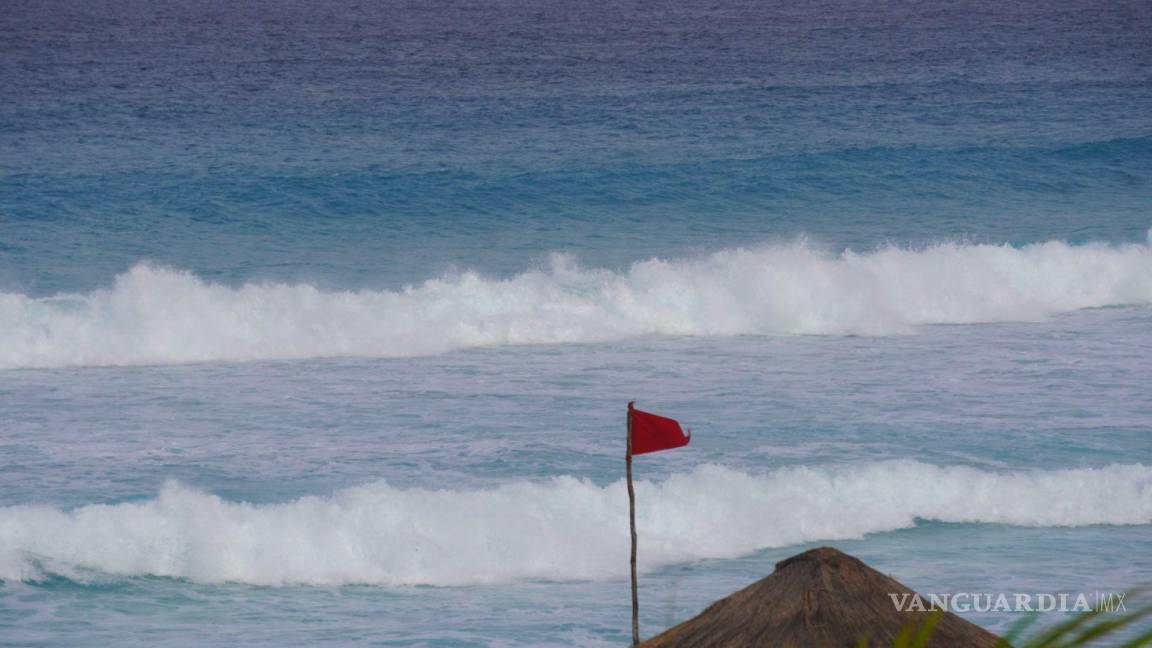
column 818, row 599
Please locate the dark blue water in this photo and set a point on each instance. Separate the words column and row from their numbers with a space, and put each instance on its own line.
column 374, row 144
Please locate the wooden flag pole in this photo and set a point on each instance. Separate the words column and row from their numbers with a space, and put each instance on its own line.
column 632, row 528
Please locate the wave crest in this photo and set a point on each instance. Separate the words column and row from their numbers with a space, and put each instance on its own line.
column 156, row 315
column 562, row 528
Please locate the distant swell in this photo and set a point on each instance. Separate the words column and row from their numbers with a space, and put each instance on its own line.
column 154, row 315
column 563, row 528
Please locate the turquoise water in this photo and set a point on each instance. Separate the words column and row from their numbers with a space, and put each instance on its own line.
column 317, row 324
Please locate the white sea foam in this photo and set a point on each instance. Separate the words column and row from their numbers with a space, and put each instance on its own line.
column 563, row 528
column 155, row 315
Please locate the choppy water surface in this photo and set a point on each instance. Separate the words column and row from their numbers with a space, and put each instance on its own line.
column 317, row 323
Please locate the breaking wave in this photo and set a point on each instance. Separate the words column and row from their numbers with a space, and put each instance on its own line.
column 156, row 315
column 563, row 528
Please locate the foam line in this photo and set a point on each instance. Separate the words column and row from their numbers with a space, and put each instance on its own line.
column 562, row 528
column 156, row 315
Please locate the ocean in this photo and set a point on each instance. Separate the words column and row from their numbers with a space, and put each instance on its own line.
column 318, row 321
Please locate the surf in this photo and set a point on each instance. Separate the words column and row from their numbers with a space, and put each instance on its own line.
column 158, row 315
column 563, row 528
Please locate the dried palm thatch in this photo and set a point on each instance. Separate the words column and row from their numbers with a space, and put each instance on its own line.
column 818, row 599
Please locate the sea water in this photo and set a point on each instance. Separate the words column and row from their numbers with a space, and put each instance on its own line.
column 318, row 320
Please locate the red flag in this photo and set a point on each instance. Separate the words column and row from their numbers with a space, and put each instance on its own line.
column 651, row 432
